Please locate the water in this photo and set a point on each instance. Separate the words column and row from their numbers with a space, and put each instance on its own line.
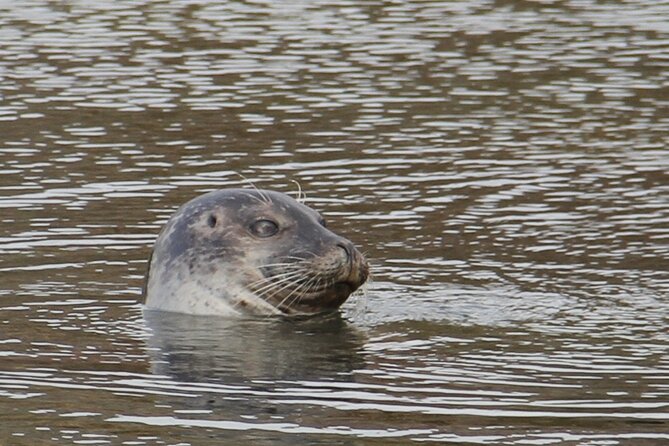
column 503, row 164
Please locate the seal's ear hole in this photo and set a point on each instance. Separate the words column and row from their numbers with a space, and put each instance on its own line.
column 211, row 221
column 264, row 228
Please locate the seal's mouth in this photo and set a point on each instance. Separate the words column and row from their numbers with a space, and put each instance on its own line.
column 318, row 285
column 345, row 287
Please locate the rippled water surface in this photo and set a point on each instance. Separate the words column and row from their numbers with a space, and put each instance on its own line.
column 503, row 163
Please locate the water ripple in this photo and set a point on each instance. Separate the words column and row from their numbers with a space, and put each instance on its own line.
column 503, row 164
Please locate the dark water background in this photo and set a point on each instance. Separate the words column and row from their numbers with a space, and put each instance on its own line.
column 503, row 163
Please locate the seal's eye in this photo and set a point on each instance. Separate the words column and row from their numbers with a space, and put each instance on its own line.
column 322, row 223
column 264, row 228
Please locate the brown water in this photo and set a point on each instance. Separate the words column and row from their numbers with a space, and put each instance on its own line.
column 503, row 163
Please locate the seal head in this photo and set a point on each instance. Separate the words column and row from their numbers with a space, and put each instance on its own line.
column 242, row 251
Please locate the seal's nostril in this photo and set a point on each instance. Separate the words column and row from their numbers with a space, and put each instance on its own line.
column 346, row 249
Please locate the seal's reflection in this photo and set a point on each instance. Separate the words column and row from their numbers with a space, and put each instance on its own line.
column 209, row 349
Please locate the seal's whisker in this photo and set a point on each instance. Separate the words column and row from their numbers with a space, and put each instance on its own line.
column 255, row 198
column 311, row 255
column 281, row 264
column 264, row 196
column 275, row 292
column 268, row 283
column 299, row 198
column 274, row 284
column 297, row 292
column 278, row 268
column 371, row 267
column 315, row 286
column 280, row 304
column 297, row 258
column 291, row 268
column 260, row 287
column 294, row 290
column 276, row 278
column 289, row 262
column 284, row 277
column 307, row 287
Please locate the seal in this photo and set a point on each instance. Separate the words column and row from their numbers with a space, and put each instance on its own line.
column 236, row 252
